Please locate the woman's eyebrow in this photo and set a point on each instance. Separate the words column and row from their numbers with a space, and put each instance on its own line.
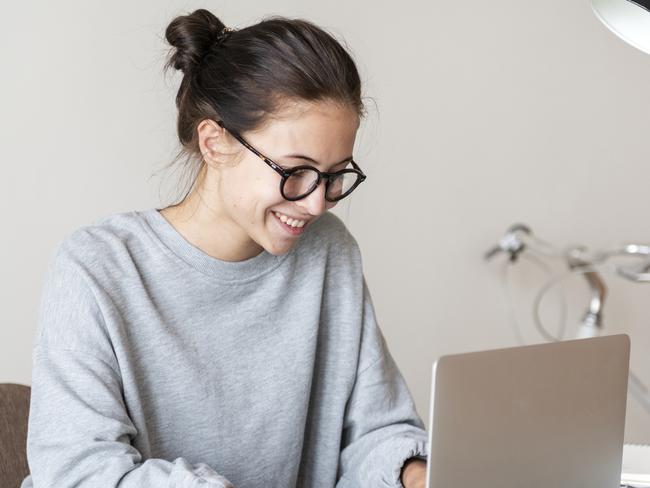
column 307, row 158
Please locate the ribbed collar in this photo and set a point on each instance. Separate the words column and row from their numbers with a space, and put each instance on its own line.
column 246, row 270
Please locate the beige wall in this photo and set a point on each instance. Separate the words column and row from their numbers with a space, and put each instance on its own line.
column 491, row 112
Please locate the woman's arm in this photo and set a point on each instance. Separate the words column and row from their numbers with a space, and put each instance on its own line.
column 382, row 428
column 79, row 431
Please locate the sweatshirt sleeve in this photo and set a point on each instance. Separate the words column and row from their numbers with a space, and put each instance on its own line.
column 382, row 428
column 79, row 430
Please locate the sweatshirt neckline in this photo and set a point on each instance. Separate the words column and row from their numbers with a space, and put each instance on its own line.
column 246, row 270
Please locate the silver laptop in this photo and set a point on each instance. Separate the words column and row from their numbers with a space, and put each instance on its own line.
column 540, row 416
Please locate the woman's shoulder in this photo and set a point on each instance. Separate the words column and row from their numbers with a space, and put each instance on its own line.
column 102, row 243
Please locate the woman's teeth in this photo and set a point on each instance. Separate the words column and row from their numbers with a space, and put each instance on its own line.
column 290, row 221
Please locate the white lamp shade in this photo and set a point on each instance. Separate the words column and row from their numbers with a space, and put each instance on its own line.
column 630, row 20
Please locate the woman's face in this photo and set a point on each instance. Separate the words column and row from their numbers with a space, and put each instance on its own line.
column 246, row 191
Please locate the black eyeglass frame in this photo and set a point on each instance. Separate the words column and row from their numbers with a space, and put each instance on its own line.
column 285, row 173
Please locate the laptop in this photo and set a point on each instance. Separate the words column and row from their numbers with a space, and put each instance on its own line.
column 540, row 416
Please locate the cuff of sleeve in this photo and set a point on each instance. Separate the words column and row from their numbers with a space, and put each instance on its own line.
column 399, row 471
column 186, row 475
column 405, row 449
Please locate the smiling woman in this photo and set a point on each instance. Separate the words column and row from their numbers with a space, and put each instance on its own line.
column 263, row 87
column 229, row 339
column 267, row 84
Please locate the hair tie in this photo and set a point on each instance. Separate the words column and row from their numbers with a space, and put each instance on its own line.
column 223, row 35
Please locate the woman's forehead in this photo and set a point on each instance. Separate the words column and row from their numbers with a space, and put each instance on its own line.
column 313, row 124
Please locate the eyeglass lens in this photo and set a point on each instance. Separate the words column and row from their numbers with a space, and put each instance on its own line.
column 303, row 182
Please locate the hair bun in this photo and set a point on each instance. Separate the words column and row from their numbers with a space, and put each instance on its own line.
column 192, row 35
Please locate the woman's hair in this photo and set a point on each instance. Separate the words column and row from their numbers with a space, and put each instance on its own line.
column 247, row 77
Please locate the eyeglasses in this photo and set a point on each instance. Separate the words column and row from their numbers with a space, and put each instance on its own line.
column 299, row 181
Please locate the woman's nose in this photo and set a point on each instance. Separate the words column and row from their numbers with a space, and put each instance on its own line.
column 315, row 202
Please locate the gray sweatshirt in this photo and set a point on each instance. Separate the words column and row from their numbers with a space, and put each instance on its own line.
column 158, row 365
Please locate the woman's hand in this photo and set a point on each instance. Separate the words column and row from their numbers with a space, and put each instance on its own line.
column 414, row 473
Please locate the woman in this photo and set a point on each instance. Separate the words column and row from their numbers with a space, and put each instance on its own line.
column 230, row 339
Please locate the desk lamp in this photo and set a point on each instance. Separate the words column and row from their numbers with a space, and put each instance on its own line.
column 628, row 19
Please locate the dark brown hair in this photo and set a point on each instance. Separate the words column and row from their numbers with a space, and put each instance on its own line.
column 246, row 76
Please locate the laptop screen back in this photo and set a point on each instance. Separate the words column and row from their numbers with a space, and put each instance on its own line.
column 548, row 415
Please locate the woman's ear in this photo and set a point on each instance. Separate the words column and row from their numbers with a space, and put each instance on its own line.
column 213, row 142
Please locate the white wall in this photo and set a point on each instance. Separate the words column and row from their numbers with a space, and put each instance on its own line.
column 491, row 112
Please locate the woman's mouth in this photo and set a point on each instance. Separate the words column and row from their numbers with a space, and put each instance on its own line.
column 294, row 231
